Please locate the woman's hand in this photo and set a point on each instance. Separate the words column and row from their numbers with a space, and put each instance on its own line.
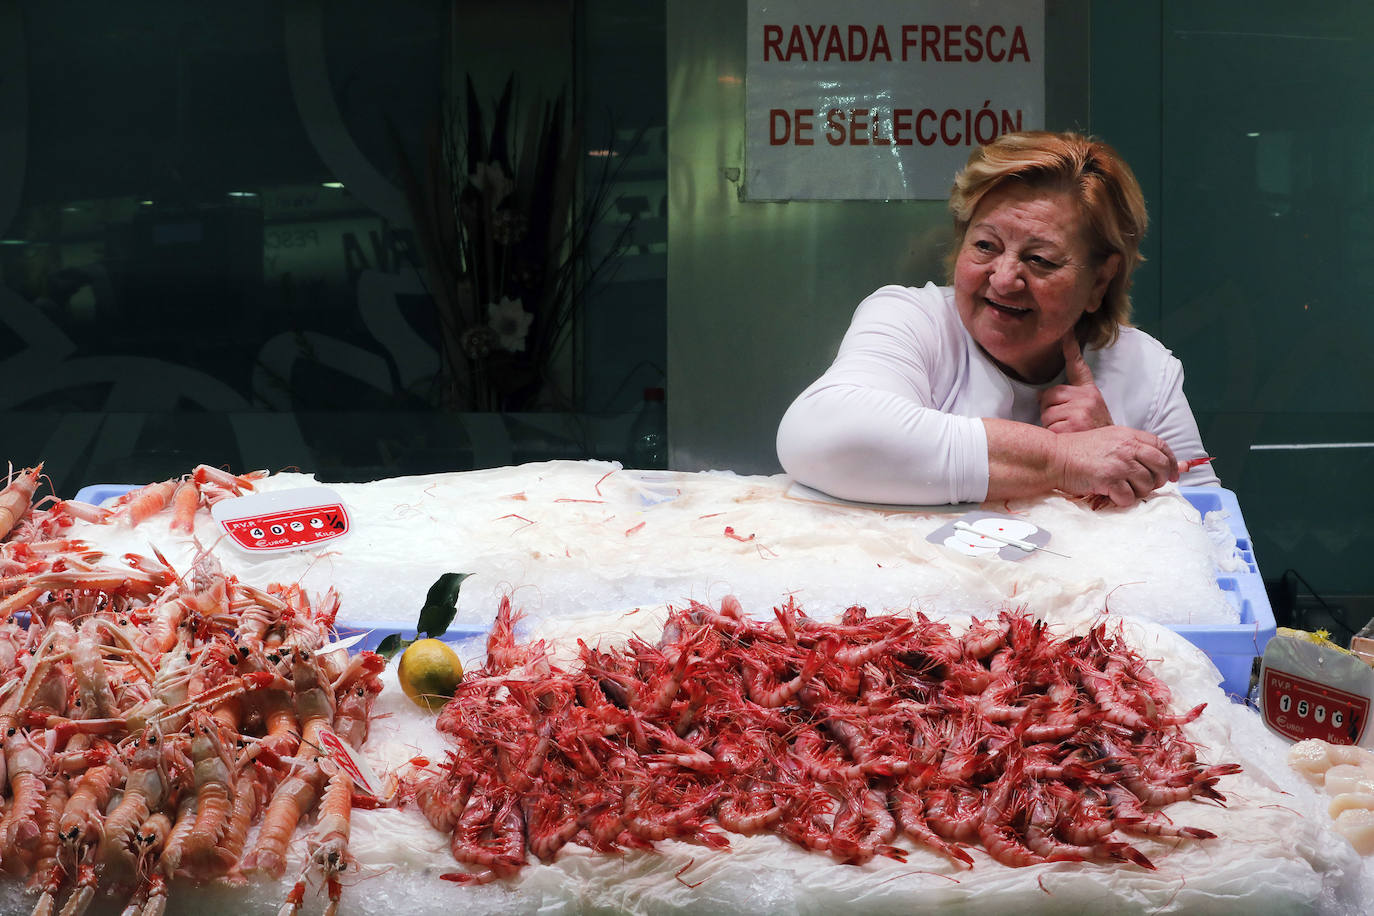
column 1077, row 405
column 1123, row 464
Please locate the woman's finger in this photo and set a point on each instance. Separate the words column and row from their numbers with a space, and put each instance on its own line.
column 1076, row 371
column 1121, row 494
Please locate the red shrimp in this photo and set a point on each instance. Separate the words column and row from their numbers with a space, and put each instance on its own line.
column 551, row 823
column 139, row 505
column 503, row 654
column 660, row 699
column 764, row 693
column 328, row 844
column 246, row 797
column 170, row 860
column 185, row 501
column 83, row 819
column 294, row 797
column 48, row 872
column 212, row 785
column 1199, row 783
column 856, row 656
column 864, row 828
column 28, row 766
column 235, row 483
column 1040, row 838
column 804, row 822
column 146, row 788
column 908, row 806
column 442, row 797
column 503, row 857
column 750, row 812
column 16, row 498
column 1132, row 818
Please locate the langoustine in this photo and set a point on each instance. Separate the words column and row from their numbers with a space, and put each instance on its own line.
column 149, row 717
column 842, row 738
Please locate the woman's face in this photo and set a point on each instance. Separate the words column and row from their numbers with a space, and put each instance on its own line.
column 1024, row 276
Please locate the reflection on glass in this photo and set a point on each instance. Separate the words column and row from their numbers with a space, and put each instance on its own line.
column 208, row 256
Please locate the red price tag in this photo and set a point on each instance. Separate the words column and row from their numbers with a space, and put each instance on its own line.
column 1299, row 708
column 290, row 529
column 282, row 519
column 355, row 766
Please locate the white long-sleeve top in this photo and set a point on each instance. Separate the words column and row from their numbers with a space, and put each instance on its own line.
column 897, row 417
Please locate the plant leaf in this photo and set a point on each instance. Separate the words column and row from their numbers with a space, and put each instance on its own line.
column 441, row 604
column 477, row 143
column 392, row 644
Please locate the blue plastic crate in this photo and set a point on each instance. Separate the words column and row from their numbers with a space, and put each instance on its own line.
column 457, row 632
column 97, row 493
column 1233, row 648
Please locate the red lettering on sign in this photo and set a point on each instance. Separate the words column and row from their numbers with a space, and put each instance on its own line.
column 858, row 121
column 901, row 124
column 880, row 46
column 995, row 54
column 834, row 47
column 790, row 127
column 1018, row 44
column 834, row 127
column 774, row 138
column 930, row 36
column 952, row 39
column 949, row 43
column 927, row 114
column 973, row 35
column 772, row 41
column 911, row 38
column 944, row 127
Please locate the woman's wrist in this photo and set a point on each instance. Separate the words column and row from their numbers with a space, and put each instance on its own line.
column 1023, row 460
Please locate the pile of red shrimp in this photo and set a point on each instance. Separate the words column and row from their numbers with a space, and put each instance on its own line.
column 151, row 718
column 840, row 737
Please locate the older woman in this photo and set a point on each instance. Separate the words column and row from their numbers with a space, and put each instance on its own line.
column 1025, row 375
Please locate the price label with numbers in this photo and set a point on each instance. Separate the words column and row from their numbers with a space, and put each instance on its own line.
column 1313, row 691
column 282, row 520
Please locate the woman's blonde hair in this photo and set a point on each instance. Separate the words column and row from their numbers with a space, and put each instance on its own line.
column 1108, row 196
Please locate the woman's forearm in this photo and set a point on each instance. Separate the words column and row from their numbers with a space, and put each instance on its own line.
column 1023, row 460
column 874, row 446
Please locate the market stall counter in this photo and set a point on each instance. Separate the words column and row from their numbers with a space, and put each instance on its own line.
column 924, row 685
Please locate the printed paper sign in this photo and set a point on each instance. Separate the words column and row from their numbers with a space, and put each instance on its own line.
column 884, row 99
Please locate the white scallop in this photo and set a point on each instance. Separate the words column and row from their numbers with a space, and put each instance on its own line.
column 1346, row 777
column 1350, row 753
column 1357, row 826
column 1311, row 758
column 1350, row 801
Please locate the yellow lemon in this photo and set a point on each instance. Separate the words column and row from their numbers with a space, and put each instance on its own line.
column 429, row 672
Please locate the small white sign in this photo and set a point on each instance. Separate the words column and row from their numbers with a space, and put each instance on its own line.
column 985, row 534
column 884, row 99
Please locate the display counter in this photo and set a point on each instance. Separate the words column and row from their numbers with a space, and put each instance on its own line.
column 588, row 551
